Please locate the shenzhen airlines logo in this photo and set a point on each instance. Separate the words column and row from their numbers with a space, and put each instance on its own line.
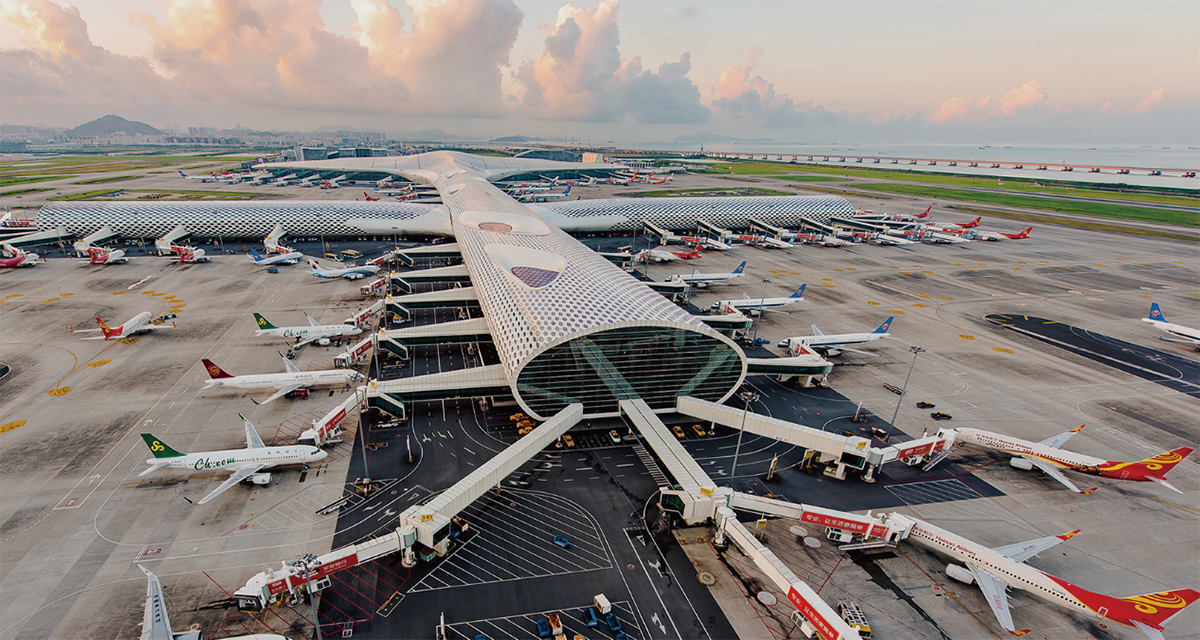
column 214, row 370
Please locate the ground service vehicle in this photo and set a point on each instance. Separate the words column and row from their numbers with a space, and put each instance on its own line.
column 614, row 623
column 556, row 627
column 570, row 442
column 678, row 431
column 893, row 388
column 524, row 430
column 925, row 405
column 590, row 618
column 853, row 615
column 614, row 436
column 699, row 430
column 351, row 254
column 543, row 628
column 602, row 604
column 940, row 415
column 333, row 256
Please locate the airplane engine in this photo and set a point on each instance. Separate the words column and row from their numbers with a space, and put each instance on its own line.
column 355, row 276
column 833, row 352
column 700, row 285
column 324, row 342
column 1021, row 463
column 960, row 573
column 260, row 479
column 753, row 312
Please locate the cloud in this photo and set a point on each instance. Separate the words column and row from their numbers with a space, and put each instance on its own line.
column 579, row 75
column 753, row 98
column 1150, row 101
column 1027, row 95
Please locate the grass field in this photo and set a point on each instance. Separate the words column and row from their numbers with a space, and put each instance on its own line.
column 107, row 179
column 101, row 194
column 803, row 178
column 21, row 192
column 10, row 181
column 743, row 191
column 1121, row 212
column 1096, row 226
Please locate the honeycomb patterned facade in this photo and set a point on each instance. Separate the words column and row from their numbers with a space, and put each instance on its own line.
column 730, row 212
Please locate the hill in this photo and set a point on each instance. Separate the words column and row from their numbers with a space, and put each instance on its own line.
column 110, row 125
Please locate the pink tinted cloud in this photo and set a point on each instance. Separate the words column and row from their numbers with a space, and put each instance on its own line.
column 1027, row 95
column 964, row 108
column 1150, row 101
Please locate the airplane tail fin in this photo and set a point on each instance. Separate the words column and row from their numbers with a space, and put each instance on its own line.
column 215, row 372
column 159, row 448
column 883, row 328
column 107, row 330
column 1155, row 609
column 254, row 255
column 1156, row 313
column 1151, row 469
column 816, row 331
column 182, row 173
column 922, row 215
column 741, row 267
column 262, row 322
column 799, row 292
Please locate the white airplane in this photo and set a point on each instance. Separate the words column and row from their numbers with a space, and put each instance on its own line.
column 209, row 178
column 543, row 197
column 291, row 380
column 655, row 255
column 291, row 257
column 245, row 463
column 774, row 243
column 350, row 273
column 335, row 183
column 311, row 181
column 315, row 331
column 1048, row 456
column 753, row 305
column 156, row 624
column 702, row 280
column 713, row 243
column 935, row 237
column 140, row 323
column 833, row 345
column 1188, row 334
column 106, row 256
column 997, row 570
column 18, row 258
column 395, row 192
column 188, row 255
column 891, row 240
column 284, row 181
column 995, row 235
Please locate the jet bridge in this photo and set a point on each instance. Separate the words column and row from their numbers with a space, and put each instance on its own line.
column 837, row 452
column 100, row 235
column 400, row 341
column 39, row 237
column 390, row 395
column 777, row 232
column 427, row 525
column 163, row 245
column 409, row 256
column 858, row 223
column 405, row 280
column 721, row 233
column 808, row 367
column 809, row 223
column 403, row 306
column 664, row 236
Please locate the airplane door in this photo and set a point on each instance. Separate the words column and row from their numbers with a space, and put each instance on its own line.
column 1124, row 474
column 1102, row 612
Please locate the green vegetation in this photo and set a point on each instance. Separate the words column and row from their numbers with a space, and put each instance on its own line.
column 21, row 192
column 1082, row 224
column 1123, row 212
column 109, row 194
column 107, row 179
column 749, row 168
column 8, row 182
column 707, row 192
column 803, row 178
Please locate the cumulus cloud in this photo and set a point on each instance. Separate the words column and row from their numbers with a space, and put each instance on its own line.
column 1150, row 101
column 753, row 98
column 969, row 109
column 579, row 75
column 1027, row 95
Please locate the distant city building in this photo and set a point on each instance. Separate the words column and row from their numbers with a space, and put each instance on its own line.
column 549, row 154
column 311, row 153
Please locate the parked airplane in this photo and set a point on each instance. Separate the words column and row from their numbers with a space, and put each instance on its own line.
column 655, row 255
column 369, row 198
column 395, row 192
column 702, row 280
column 19, row 259
column 935, row 237
column 996, row 570
column 1048, row 456
column 140, row 323
column 292, row 379
column 188, row 255
column 689, row 255
column 156, row 624
column 968, row 225
column 995, row 235
column 106, row 256
column 1188, row 334
column 246, row 464
column 315, row 331
column 774, row 243
column 284, row 181
column 891, row 240
column 543, row 197
column 208, row 178
column 291, row 257
column 753, row 305
column 350, row 273
column 833, row 345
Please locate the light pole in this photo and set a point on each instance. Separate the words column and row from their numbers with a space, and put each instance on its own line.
column 916, row 351
column 748, row 397
column 765, row 282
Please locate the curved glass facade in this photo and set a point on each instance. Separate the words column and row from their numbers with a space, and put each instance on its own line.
column 657, row 364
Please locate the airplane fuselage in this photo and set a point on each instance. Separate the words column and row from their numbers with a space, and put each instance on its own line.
column 271, row 456
column 323, row 331
column 1016, row 446
column 832, row 341
column 333, row 377
column 1179, row 331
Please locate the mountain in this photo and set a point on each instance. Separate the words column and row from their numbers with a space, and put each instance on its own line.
column 429, row 134
column 513, row 140
column 334, row 128
column 705, row 136
column 109, row 125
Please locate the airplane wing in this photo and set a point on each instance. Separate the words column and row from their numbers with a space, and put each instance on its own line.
column 1059, row 440
column 156, row 625
column 1023, row 551
column 153, row 327
column 994, row 591
column 1151, row 632
column 277, row 395
column 816, row 331
column 288, row 366
column 1054, row 472
column 239, row 474
column 312, row 322
column 253, row 441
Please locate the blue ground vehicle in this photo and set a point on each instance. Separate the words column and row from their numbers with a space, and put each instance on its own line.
column 589, row 617
column 562, row 542
column 614, row 623
column 543, row 628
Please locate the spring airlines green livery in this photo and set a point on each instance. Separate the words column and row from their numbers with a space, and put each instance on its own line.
column 315, row 331
column 246, row 464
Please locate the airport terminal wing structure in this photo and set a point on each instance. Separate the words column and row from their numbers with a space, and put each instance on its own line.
column 570, row 326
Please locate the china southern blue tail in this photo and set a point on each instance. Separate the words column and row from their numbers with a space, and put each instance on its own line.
column 883, row 328
column 1156, row 313
column 799, row 292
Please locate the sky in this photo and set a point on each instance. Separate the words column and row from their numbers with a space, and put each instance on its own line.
column 906, row 71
